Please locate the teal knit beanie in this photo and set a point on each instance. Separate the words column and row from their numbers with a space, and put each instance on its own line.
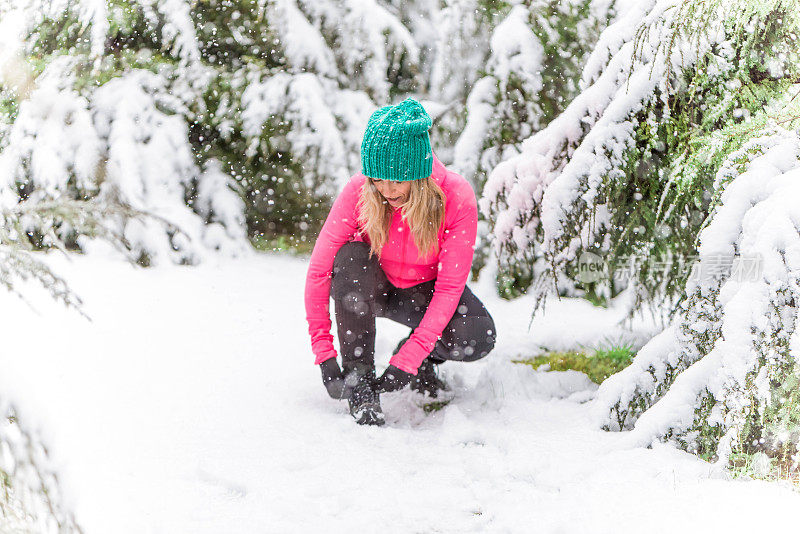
column 396, row 145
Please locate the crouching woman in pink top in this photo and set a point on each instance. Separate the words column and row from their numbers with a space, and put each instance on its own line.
column 398, row 243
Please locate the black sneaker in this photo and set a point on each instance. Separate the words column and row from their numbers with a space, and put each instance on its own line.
column 427, row 382
column 365, row 404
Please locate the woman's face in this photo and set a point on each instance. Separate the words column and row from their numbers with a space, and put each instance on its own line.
column 395, row 193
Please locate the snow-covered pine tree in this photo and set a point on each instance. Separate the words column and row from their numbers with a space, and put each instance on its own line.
column 105, row 122
column 536, row 53
column 532, row 72
column 680, row 144
column 663, row 75
column 289, row 84
column 86, row 155
column 336, row 62
column 723, row 379
column 458, row 50
column 31, row 499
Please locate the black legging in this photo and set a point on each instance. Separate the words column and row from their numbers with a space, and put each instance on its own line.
column 362, row 292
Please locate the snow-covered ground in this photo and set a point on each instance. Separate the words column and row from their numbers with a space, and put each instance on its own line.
column 190, row 404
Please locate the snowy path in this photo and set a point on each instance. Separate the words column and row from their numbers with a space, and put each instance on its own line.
column 190, row 404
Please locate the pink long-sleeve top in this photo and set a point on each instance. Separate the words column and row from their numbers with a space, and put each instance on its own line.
column 401, row 261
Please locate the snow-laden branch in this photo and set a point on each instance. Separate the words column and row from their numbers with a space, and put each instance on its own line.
column 567, row 191
column 117, row 145
column 704, row 380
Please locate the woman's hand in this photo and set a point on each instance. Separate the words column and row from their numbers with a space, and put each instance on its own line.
column 393, row 379
column 333, row 379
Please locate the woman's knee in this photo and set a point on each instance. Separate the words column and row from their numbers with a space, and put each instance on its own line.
column 469, row 338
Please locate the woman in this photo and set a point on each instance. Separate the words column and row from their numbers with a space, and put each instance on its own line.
column 398, row 243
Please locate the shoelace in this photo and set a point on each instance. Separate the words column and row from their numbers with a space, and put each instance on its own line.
column 363, row 395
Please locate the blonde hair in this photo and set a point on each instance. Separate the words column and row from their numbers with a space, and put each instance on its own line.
column 424, row 212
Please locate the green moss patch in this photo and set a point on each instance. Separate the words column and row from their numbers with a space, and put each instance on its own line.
column 597, row 365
